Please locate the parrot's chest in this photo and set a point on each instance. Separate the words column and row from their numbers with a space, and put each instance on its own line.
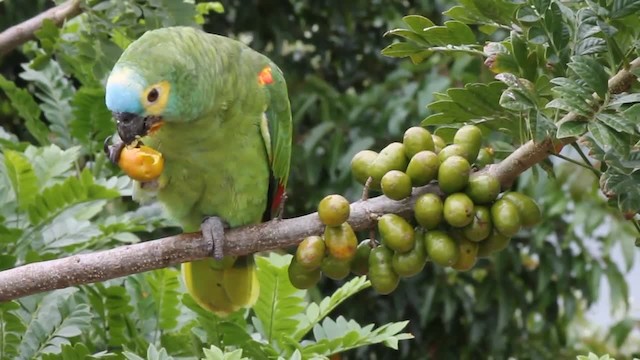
column 226, row 178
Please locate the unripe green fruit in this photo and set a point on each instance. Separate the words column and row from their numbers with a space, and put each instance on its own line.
column 333, row 210
column 494, row 243
column 468, row 251
column 505, row 217
column 453, row 174
column 458, row 210
column 360, row 262
column 527, row 208
column 438, row 143
column 360, row 165
column 481, row 226
column 470, row 137
column 428, row 211
column 335, row 269
column 310, row 252
column 383, row 279
column 453, row 150
column 423, row 167
column 341, row 241
column 412, row 262
column 301, row 277
column 441, row 248
column 483, row 188
column 396, row 185
column 485, row 157
column 396, row 232
column 392, row 157
column 417, row 139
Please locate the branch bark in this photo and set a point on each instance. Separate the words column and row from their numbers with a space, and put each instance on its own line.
column 104, row 265
column 23, row 32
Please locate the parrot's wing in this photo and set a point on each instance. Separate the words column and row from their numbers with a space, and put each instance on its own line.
column 277, row 133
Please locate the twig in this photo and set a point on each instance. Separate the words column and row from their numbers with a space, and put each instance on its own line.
column 23, row 32
column 100, row 266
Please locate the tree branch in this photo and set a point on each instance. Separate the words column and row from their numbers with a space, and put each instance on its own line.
column 104, row 265
column 23, row 32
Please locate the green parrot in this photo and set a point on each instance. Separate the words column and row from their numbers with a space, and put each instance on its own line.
column 219, row 114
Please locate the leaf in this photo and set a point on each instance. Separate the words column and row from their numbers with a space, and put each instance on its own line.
column 402, row 49
column 27, row 108
column 77, row 351
column 622, row 8
column 571, row 128
column 624, row 99
column 11, row 330
column 152, row 354
column 52, row 200
column 314, row 313
column 165, row 286
column 617, row 121
column 279, row 302
column 51, row 163
column 618, row 289
column 591, row 72
column 54, row 92
column 417, row 23
column 332, row 337
column 22, row 177
column 91, row 119
column 607, row 138
column 57, row 318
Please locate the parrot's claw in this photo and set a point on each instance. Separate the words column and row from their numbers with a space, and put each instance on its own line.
column 113, row 152
column 213, row 232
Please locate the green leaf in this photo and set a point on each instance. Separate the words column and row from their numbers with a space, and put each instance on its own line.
column 27, row 108
column 314, row 313
column 52, row 164
column 152, row 354
column 622, row 8
column 56, row 319
column 22, row 177
column 624, row 99
column 401, row 49
column 77, row 351
column 52, row 200
column 279, row 303
column 55, row 92
column 618, row 289
column 91, row 119
column 11, row 330
column 617, row 121
column 608, row 138
column 571, row 128
column 165, row 287
column 417, row 23
column 591, row 72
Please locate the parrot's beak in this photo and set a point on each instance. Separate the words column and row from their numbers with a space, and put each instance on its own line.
column 132, row 126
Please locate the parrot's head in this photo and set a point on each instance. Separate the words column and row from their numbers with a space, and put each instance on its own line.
column 152, row 83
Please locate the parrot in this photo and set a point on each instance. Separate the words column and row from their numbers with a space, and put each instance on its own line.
column 219, row 113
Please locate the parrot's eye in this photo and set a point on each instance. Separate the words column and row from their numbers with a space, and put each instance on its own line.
column 152, row 96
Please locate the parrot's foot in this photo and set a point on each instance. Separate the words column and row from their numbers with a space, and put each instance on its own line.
column 113, row 152
column 281, row 206
column 213, row 232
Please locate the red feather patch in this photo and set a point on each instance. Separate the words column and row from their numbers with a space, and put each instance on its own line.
column 277, row 198
column 264, row 77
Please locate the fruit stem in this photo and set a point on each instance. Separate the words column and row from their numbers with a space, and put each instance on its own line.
column 365, row 189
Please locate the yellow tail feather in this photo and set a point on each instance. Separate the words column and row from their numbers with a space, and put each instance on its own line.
column 222, row 290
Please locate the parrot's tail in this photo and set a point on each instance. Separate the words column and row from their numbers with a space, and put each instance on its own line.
column 224, row 286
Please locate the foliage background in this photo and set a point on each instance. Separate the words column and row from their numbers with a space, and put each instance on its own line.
column 61, row 196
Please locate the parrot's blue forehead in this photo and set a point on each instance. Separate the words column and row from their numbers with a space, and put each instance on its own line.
column 124, row 91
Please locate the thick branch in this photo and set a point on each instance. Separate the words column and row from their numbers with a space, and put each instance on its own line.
column 23, row 32
column 100, row 266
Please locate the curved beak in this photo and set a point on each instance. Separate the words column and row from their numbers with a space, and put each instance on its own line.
column 132, row 126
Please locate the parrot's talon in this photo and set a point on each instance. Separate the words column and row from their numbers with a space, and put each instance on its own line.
column 213, row 232
column 113, row 152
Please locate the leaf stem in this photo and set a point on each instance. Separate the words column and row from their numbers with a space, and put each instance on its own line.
column 596, row 172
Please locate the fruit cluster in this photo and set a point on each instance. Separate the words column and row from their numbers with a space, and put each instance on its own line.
column 468, row 218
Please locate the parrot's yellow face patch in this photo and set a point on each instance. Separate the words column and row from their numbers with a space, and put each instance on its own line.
column 155, row 98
